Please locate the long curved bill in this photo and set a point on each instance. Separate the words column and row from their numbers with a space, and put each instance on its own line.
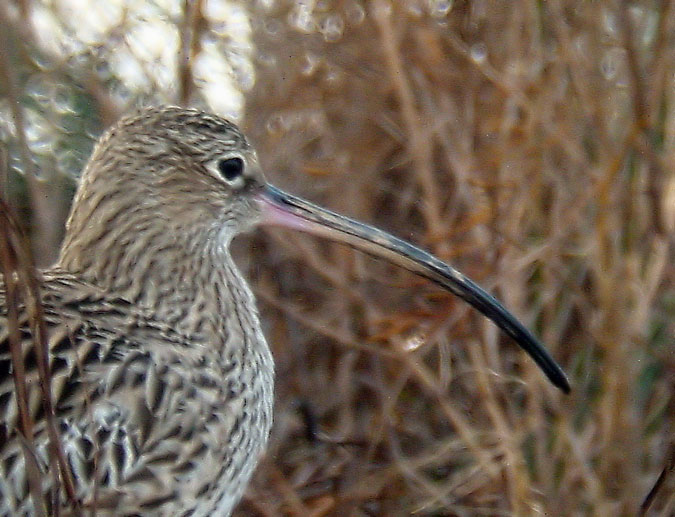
column 282, row 209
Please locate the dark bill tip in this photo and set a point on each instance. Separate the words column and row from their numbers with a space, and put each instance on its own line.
column 282, row 209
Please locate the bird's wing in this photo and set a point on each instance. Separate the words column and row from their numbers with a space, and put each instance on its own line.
column 114, row 413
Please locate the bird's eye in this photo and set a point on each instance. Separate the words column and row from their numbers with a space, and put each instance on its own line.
column 231, row 169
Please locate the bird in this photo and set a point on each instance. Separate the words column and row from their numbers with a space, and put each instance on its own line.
column 162, row 380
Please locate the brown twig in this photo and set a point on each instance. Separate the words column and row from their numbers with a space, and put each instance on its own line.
column 660, row 482
column 19, row 274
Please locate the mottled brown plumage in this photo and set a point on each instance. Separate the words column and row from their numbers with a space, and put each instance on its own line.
column 162, row 380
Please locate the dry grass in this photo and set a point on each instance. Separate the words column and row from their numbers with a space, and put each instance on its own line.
column 532, row 145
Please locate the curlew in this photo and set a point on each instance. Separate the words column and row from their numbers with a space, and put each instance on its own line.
column 162, row 381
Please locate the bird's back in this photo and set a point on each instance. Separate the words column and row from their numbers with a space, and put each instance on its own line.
column 151, row 421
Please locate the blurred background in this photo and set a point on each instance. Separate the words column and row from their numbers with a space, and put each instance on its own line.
column 530, row 144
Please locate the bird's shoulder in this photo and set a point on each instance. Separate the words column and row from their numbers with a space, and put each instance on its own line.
column 121, row 389
column 100, row 347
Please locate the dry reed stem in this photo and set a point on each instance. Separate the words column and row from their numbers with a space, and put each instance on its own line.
column 22, row 288
column 499, row 137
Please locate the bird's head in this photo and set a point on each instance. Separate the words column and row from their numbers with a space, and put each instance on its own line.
column 171, row 182
column 180, row 169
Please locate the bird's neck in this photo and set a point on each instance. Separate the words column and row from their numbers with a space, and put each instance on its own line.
column 185, row 279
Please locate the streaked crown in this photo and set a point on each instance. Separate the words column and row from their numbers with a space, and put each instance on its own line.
column 161, row 175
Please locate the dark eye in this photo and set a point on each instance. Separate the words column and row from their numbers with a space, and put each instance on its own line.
column 231, row 168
